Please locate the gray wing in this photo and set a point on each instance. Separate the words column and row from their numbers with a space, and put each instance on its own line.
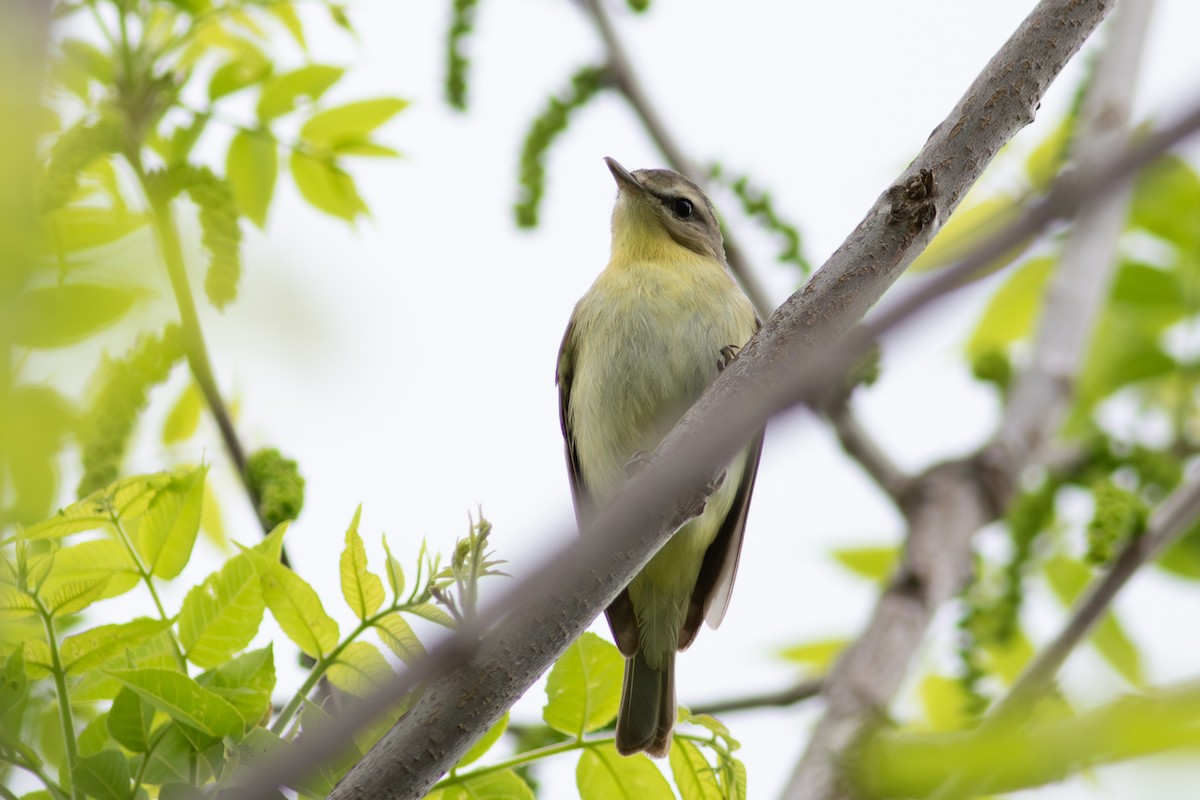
column 621, row 618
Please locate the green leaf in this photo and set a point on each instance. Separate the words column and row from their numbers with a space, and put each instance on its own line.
column 484, row 743
column 168, row 531
column 327, row 186
column 816, row 657
column 399, row 637
column 220, row 616
column 184, row 700
column 693, row 775
column 100, row 560
column 73, row 597
column 57, row 316
column 247, row 67
column 296, row 607
column 14, row 604
column 246, row 682
column 395, row 573
column 1166, row 202
column 603, row 774
column 360, row 669
column 280, row 95
column 502, row 785
column 171, row 759
column 104, row 776
column 967, row 227
column 875, row 563
column 252, row 167
column 432, row 613
column 286, row 13
column 1046, row 160
column 184, row 417
column 349, row 124
column 94, row 736
column 129, row 721
column 74, row 228
column 584, row 687
column 362, row 589
column 1013, row 310
column 89, row 649
column 946, row 703
column 1068, row 578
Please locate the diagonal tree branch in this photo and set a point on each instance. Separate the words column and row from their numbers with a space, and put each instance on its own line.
column 950, row 502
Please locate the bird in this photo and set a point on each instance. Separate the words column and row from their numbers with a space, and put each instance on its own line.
column 662, row 319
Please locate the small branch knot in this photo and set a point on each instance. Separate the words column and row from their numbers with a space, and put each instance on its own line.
column 912, row 201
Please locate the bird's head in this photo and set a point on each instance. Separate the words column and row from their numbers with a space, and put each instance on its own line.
column 658, row 209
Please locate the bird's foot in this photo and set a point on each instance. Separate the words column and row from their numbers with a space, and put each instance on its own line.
column 728, row 353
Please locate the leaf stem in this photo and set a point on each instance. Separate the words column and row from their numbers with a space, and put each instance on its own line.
column 64, row 702
column 193, row 336
column 147, row 579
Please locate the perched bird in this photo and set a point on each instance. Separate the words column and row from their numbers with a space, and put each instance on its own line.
column 662, row 319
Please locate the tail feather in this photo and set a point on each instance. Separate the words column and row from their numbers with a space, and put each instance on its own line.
column 647, row 712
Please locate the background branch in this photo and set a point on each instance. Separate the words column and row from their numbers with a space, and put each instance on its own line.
column 948, row 503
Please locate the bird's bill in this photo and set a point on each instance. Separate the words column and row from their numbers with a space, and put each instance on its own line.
column 624, row 177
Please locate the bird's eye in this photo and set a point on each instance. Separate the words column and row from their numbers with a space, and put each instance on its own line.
column 682, row 207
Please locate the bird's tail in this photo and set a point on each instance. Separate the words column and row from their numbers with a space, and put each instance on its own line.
column 647, row 712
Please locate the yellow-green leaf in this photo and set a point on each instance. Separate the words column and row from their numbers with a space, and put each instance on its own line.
column 484, row 743
column 280, row 94
column 875, row 563
column 1013, row 310
column 399, row 638
column 351, row 123
column 603, row 774
column 1047, row 158
column 816, row 657
column 362, row 589
column 502, row 785
column 252, row 167
column 395, row 573
column 693, row 774
column 102, row 560
column 584, row 686
column 103, row 776
column 326, row 186
column 74, row 228
column 129, row 721
column 220, row 616
column 93, row 647
column 57, row 316
column 296, row 607
column 168, row 530
column 360, row 669
column 967, row 227
column 182, row 699
column 184, row 417
column 945, row 701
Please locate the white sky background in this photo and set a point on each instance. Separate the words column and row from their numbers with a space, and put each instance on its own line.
column 409, row 365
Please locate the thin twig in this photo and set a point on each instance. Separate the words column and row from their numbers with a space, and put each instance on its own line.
column 796, row 693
